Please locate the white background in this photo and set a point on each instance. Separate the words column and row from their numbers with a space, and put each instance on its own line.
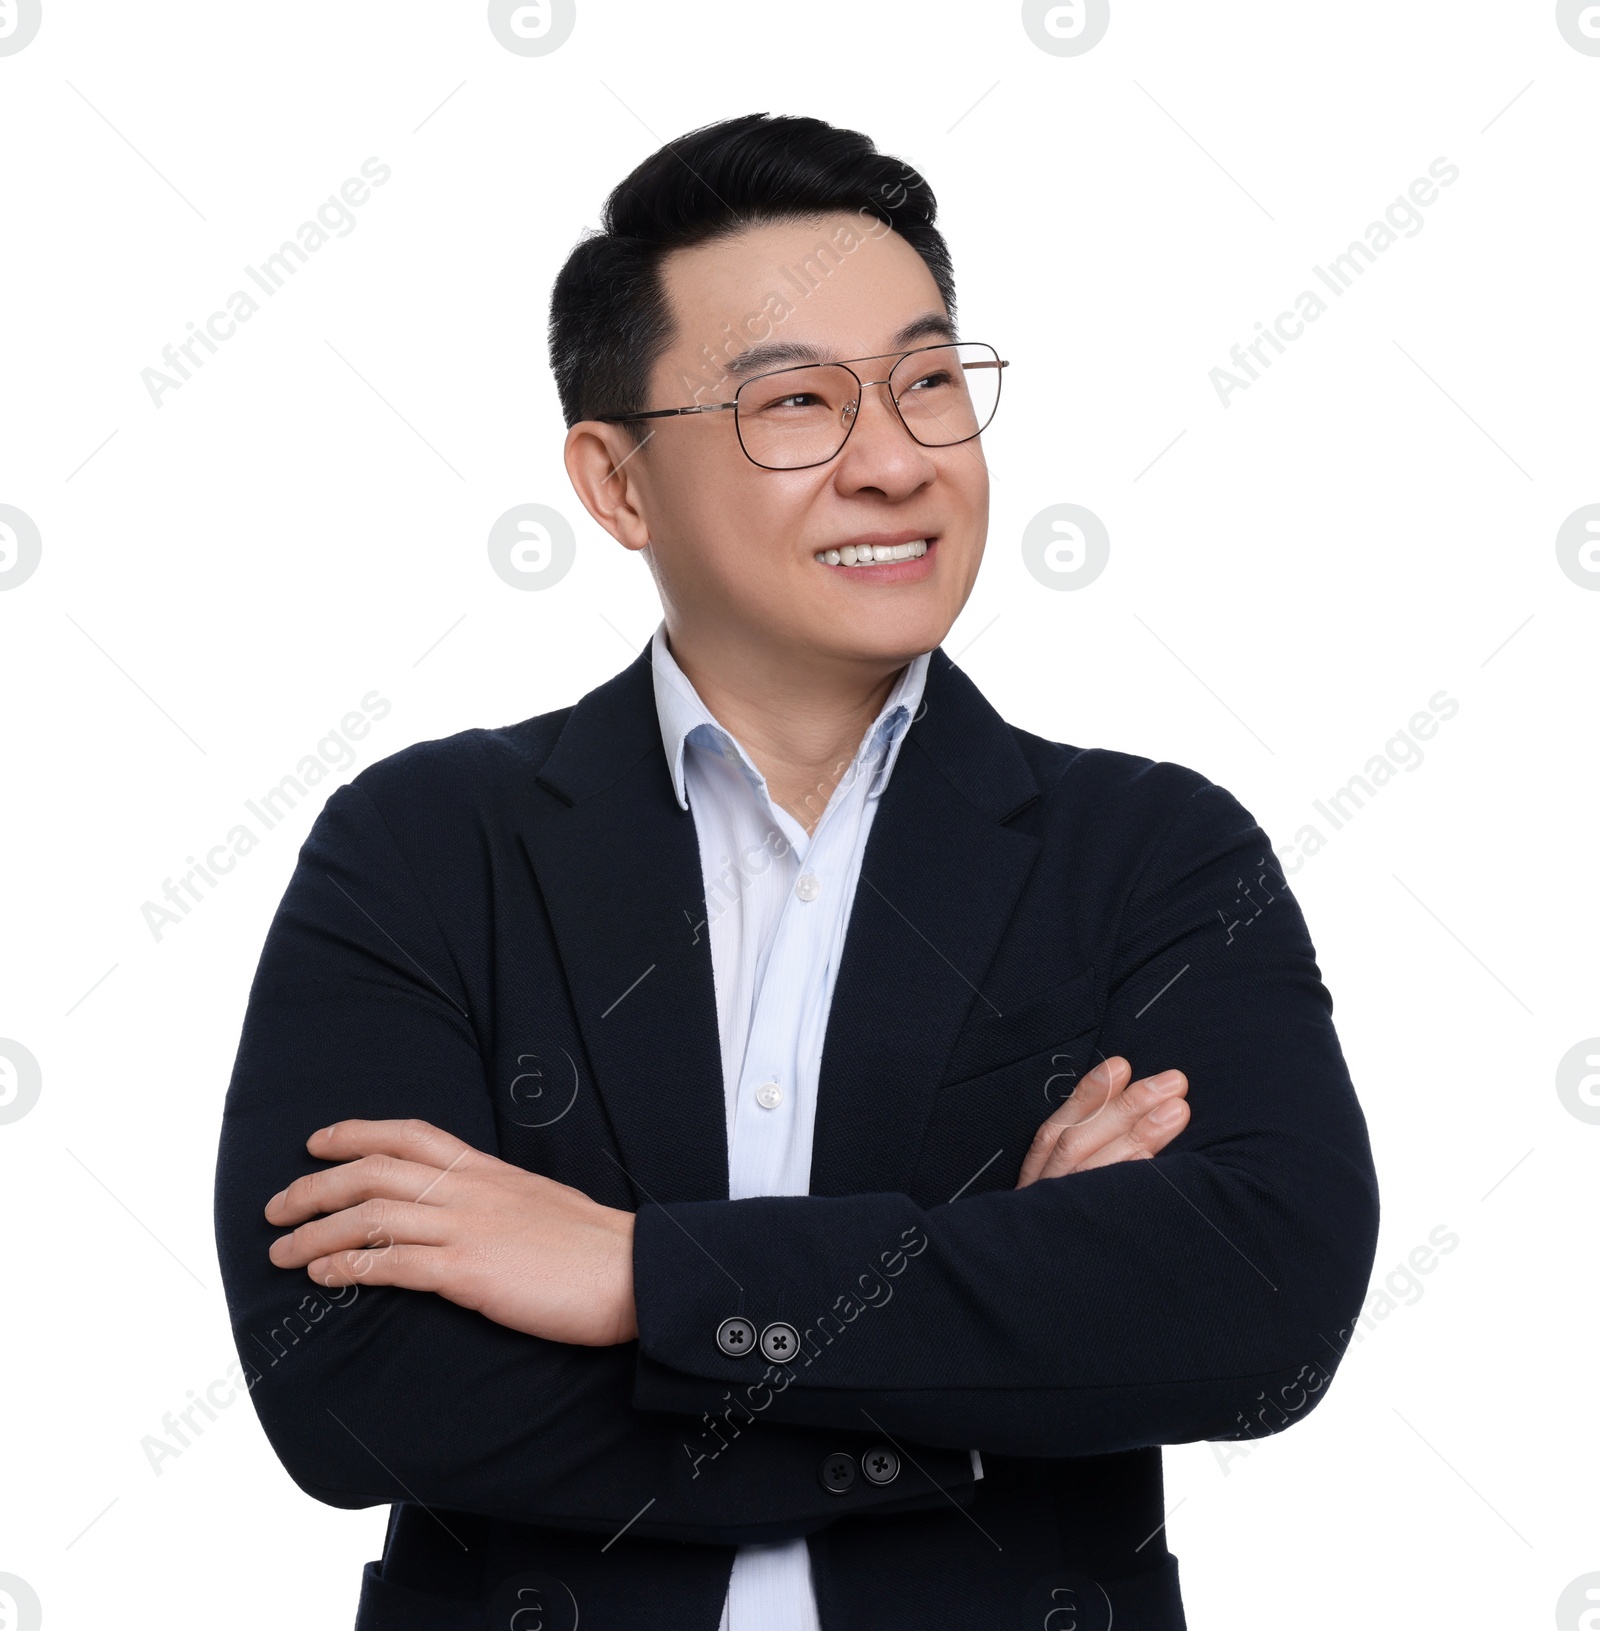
column 305, row 521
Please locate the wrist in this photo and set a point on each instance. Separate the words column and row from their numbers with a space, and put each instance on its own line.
column 627, row 1317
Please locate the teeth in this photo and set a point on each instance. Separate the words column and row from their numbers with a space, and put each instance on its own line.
column 871, row 554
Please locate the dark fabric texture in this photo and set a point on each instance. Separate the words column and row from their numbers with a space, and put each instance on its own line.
column 504, row 933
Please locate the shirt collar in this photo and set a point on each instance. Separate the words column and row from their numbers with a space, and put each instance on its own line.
column 686, row 720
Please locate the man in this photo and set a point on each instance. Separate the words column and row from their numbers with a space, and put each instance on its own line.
column 787, row 1148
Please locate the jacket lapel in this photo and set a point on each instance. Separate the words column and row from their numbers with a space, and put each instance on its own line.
column 619, row 868
column 939, row 882
column 618, row 865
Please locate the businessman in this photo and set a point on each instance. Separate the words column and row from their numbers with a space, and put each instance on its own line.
column 772, row 1146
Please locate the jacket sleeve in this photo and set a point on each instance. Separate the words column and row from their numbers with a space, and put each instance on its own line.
column 372, row 1395
column 1203, row 1294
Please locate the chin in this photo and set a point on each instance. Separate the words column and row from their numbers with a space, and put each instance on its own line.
column 892, row 634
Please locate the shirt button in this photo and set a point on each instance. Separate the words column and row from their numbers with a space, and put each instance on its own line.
column 769, row 1095
column 808, row 886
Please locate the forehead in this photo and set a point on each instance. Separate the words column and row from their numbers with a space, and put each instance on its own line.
column 836, row 285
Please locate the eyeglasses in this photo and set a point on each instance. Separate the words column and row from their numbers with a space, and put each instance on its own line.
column 796, row 418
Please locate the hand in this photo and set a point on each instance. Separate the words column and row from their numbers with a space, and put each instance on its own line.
column 416, row 1207
column 1106, row 1121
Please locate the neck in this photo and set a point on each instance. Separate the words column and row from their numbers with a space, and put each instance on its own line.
column 801, row 722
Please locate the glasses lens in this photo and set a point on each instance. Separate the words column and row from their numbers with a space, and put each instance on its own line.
column 796, row 417
column 947, row 393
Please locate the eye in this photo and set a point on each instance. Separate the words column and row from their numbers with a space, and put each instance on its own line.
column 938, row 378
column 794, row 399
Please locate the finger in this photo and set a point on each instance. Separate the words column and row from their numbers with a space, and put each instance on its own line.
column 411, row 1140
column 372, row 1224
column 1071, row 1135
column 372, row 1177
column 1148, row 1137
column 1076, row 1144
column 1099, row 1088
column 418, row 1268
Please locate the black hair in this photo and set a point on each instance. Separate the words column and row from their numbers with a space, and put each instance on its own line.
column 609, row 320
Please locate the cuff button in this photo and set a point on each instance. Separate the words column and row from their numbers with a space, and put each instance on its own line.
column 881, row 1465
column 736, row 1337
column 780, row 1343
column 837, row 1473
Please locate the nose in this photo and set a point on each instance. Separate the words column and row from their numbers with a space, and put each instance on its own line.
column 881, row 455
column 850, row 409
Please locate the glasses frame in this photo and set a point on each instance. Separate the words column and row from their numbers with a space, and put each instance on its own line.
column 853, row 410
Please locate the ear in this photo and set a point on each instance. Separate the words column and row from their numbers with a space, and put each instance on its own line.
column 605, row 466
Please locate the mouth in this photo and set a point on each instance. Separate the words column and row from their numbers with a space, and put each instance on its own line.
column 886, row 559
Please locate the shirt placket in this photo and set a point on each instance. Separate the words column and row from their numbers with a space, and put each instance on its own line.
column 774, row 1116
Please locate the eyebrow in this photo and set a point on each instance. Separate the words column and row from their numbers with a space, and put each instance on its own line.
column 760, row 359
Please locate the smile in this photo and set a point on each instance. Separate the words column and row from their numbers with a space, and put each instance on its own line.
column 872, row 554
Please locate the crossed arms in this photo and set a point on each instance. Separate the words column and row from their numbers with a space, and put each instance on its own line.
column 484, row 1360
column 411, row 1205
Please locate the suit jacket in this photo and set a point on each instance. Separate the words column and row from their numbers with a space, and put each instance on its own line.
column 503, row 933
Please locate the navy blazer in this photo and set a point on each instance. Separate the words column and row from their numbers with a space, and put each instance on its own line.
column 503, row 933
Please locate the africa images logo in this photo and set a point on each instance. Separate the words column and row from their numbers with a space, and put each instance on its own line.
column 19, row 22
column 20, row 546
column 19, row 1603
column 532, row 28
column 1579, row 22
column 20, row 1081
column 1066, row 28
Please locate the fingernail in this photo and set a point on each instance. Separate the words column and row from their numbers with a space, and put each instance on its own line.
column 1164, row 1115
column 1169, row 1081
column 1105, row 1070
column 277, row 1200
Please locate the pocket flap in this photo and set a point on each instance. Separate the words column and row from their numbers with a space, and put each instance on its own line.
column 997, row 1034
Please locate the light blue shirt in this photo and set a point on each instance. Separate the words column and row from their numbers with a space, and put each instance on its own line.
column 777, row 907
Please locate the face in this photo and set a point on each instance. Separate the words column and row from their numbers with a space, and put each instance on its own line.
column 734, row 548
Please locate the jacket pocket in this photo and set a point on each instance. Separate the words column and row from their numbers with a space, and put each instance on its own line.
column 997, row 1034
column 981, row 1126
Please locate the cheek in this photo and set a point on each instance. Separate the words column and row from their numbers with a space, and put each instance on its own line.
column 967, row 486
column 759, row 515
column 971, row 482
column 727, row 536
column 712, row 481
